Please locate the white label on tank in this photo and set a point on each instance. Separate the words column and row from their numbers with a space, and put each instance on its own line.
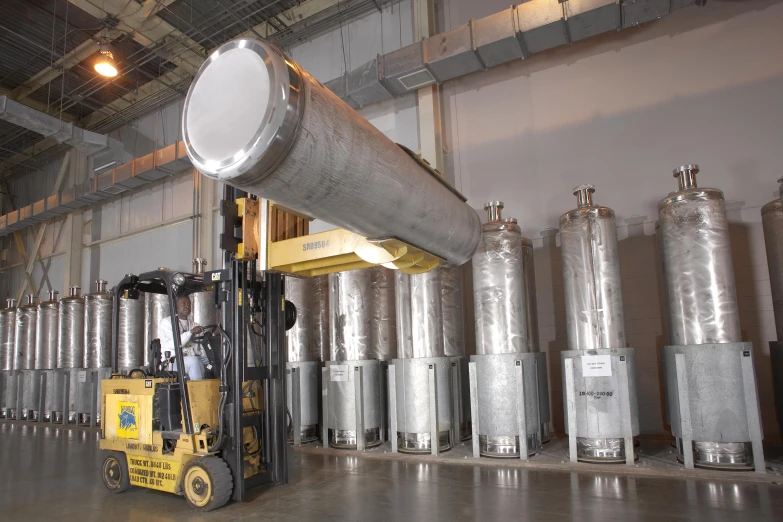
column 82, row 376
column 597, row 365
column 338, row 372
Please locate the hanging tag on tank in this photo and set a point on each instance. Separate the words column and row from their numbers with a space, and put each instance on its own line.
column 596, row 365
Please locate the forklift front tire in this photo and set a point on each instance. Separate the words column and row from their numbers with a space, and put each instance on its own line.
column 207, row 483
column 115, row 472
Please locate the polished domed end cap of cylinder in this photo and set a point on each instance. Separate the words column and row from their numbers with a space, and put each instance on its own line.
column 493, row 209
column 242, row 111
column 686, row 175
column 584, row 195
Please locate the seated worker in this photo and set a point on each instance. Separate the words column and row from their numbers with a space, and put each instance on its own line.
column 192, row 353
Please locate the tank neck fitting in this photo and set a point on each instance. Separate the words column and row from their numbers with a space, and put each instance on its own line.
column 493, row 209
column 100, row 285
column 30, row 299
column 53, row 295
column 200, row 264
column 74, row 291
column 686, row 176
column 10, row 303
column 513, row 221
column 584, row 195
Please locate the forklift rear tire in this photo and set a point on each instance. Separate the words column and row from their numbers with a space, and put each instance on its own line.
column 207, row 483
column 115, row 472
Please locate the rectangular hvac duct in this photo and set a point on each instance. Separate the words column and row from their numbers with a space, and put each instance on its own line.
column 495, row 37
column 172, row 159
column 144, row 168
column 541, row 25
column 452, row 54
column 39, row 211
column 404, row 70
column 12, row 220
column 637, row 12
column 364, row 84
column 54, row 206
column 87, row 194
column 125, row 177
column 339, row 86
column 71, row 198
column 586, row 18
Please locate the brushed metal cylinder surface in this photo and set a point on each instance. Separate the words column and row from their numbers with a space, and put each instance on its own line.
column 156, row 307
column 499, row 291
column 384, row 319
column 98, row 330
column 591, row 276
column 46, row 333
column 130, row 334
column 299, row 339
column 342, row 403
column 309, row 395
column 7, row 336
column 496, row 384
column 24, row 337
column 719, row 420
column 531, row 305
column 350, row 315
column 699, row 272
column 413, row 403
column 203, row 308
column 70, row 344
column 320, row 309
column 419, row 315
column 772, row 221
column 295, row 142
column 453, row 306
column 599, row 420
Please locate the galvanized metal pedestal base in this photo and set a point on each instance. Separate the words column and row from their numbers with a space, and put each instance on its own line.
column 351, row 395
column 544, row 411
column 31, row 396
column 9, row 392
column 421, row 405
column 504, row 399
column 461, row 395
column 301, row 384
column 600, row 405
column 713, row 406
column 88, row 394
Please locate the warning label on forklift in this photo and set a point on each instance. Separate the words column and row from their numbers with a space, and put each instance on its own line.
column 338, row 372
column 153, row 473
column 127, row 420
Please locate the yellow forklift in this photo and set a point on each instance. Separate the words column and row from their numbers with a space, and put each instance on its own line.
column 209, row 440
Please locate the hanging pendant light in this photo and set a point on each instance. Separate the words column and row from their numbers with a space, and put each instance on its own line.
column 105, row 65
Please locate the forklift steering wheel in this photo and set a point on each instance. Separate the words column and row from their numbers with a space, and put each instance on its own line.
column 199, row 338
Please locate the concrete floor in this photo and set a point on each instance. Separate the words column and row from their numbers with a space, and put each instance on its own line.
column 49, row 473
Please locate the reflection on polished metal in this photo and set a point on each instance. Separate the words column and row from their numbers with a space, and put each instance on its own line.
column 98, row 327
column 7, row 335
column 419, row 315
column 320, row 310
column 203, row 303
column 46, row 331
column 702, row 299
column 503, row 342
column 596, row 328
column 384, row 321
column 452, row 303
column 24, row 336
column 130, row 334
column 156, row 307
column 350, row 315
column 70, row 345
column 293, row 141
column 299, row 339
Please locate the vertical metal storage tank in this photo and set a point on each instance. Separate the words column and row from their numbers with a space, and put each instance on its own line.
column 350, row 327
column 595, row 322
column 7, row 336
column 420, row 347
column 156, row 307
column 98, row 327
column 203, row 303
column 704, row 322
column 70, row 346
column 301, row 359
column 130, row 333
column 46, row 333
column 24, row 337
column 320, row 309
column 502, row 340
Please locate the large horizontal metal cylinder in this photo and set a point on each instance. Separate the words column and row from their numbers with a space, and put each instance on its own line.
column 299, row 338
column 24, row 336
column 46, row 334
column 499, row 287
column 498, row 400
column 341, row 394
column 308, row 398
column 320, row 310
column 698, row 267
column 384, row 319
column 98, row 327
column 591, row 275
column 453, row 308
column 414, row 399
column 419, row 315
column 7, row 336
column 772, row 221
column 350, row 315
column 293, row 141
column 130, row 334
column 70, row 343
